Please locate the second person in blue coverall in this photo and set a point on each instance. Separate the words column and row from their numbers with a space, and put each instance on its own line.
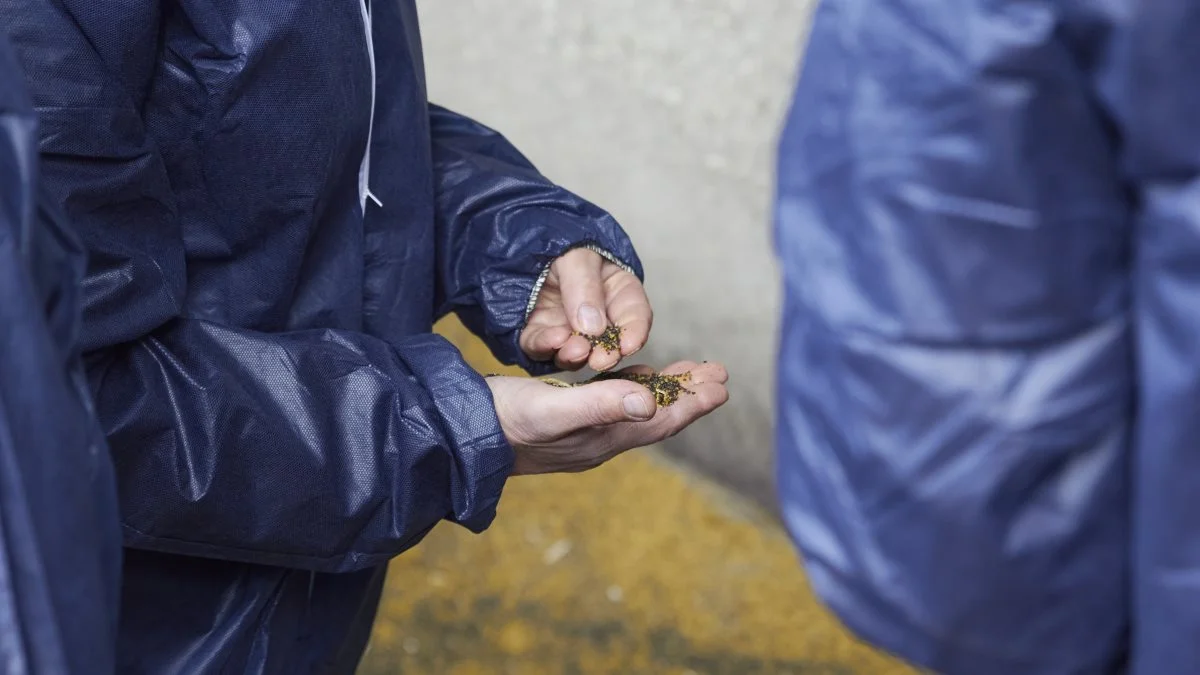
column 274, row 217
column 989, row 388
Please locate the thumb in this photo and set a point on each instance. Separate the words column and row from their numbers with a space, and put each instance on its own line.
column 566, row 410
column 582, row 289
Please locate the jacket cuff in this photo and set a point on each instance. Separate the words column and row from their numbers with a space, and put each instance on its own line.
column 541, row 280
column 482, row 458
column 509, row 298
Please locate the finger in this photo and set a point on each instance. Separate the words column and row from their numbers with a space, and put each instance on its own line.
column 679, row 368
column 574, row 353
column 566, row 410
column 633, row 335
column 699, row 372
column 638, row 369
column 602, row 360
column 699, row 400
column 541, row 343
column 702, row 400
column 705, row 398
column 629, row 309
column 578, row 273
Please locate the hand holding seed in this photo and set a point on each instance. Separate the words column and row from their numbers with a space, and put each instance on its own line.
column 589, row 312
column 557, row 428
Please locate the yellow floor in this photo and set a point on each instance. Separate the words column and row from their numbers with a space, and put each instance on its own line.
column 634, row 568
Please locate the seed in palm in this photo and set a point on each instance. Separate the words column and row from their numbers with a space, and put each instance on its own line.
column 666, row 388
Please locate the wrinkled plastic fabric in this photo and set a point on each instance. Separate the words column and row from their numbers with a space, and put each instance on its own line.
column 60, row 547
column 989, row 225
column 257, row 326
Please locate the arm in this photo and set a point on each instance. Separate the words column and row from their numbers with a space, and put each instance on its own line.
column 500, row 225
column 955, row 384
column 326, row 450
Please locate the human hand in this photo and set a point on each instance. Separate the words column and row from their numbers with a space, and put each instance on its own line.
column 586, row 293
column 567, row 430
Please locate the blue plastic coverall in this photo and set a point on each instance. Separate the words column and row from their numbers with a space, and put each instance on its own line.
column 989, row 391
column 275, row 216
column 60, row 546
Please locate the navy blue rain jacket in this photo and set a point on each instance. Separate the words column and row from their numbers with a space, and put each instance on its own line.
column 989, row 381
column 275, row 216
column 60, row 547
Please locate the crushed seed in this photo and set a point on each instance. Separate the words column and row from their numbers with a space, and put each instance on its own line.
column 666, row 388
column 609, row 340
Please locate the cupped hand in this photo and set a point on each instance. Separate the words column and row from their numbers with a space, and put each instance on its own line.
column 585, row 293
column 572, row 429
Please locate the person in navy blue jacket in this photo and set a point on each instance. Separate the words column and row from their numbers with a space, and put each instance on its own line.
column 989, row 382
column 60, row 546
column 274, row 217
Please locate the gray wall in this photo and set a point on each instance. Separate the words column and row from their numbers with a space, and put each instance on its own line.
column 664, row 112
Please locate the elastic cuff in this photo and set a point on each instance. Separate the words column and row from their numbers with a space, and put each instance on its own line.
column 483, row 458
column 541, row 280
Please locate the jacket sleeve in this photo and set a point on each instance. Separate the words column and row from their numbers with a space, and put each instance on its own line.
column 500, row 225
column 328, row 450
column 955, row 373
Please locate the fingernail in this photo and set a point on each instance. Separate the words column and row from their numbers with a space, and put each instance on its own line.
column 635, row 407
column 591, row 321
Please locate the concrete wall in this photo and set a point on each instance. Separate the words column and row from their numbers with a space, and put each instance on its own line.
column 665, row 112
